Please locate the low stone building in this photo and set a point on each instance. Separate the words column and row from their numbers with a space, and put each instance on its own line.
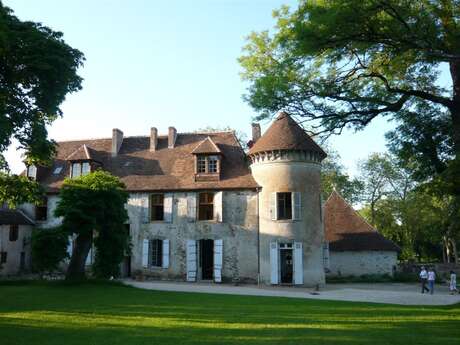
column 15, row 234
column 202, row 209
column 353, row 247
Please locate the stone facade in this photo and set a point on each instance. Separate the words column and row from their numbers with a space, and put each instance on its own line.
column 17, row 251
column 362, row 262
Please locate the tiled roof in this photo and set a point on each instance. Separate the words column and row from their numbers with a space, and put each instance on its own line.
column 286, row 134
column 346, row 230
column 81, row 153
column 164, row 169
column 13, row 217
column 206, row 146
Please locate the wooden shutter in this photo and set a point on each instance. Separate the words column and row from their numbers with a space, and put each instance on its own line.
column 326, row 260
column 296, row 205
column 191, row 260
column 217, row 207
column 168, row 207
column 218, row 260
column 273, row 208
column 89, row 258
column 145, row 253
column 165, row 261
column 191, row 207
column 274, row 274
column 298, row 263
column 145, row 211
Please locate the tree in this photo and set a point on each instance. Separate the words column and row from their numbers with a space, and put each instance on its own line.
column 334, row 177
column 342, row 63
column 94, row 204
column 16, row 190
column 37, row 70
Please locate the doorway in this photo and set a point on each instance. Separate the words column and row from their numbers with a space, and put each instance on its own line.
column 207, row 259
column 286, row 263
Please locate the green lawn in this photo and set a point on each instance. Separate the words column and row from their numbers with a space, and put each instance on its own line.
column 45, row 313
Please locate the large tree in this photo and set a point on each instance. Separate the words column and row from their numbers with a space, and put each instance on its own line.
column 342, row 63
column 92, row 208
column 37, row 70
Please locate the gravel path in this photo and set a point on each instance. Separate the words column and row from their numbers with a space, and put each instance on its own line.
column 391, row 293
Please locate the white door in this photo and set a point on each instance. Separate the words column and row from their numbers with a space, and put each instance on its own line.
column 218, row 260
column 298, row 263
column 191, row 260
column 274, row 264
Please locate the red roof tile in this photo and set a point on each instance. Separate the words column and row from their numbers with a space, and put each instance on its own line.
column 346, row 230
column 286, row 134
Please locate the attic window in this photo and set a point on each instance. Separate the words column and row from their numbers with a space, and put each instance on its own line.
column 32, row 172
column 207, row 164
column 80, row 169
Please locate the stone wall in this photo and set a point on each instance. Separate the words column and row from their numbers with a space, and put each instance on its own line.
column 238, row 230
column 14, row 249
column 362, row 262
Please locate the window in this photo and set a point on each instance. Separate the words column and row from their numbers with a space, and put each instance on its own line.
column 212, row 164
column 80, row 169
column 206, row 206
column 32, row 172
column 207, row 164
column 41, row 211
column 14, row 231
column 156, row 253
column 157, row 207
column 3, row 257
column 284, row 204
column 201, row 164
column 57, row 170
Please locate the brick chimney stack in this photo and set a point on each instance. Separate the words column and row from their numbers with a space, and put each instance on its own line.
column 117, row 140
column 153, row 139
column 256, row 133
column 172, row 135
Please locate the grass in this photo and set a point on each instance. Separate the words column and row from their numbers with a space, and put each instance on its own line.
column 103, row 313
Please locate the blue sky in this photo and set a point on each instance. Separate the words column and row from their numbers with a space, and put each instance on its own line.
column 164, row 63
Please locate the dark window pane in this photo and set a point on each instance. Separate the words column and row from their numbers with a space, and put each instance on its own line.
column 14, row 231
column 41, row 211
column 284, row 201
column 157, row 252
column 201, row 164
column 157, row 207
column 206, row 206
column 212, row 164
column 3, row 257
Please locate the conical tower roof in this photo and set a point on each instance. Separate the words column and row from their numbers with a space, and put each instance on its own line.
column 286, row 134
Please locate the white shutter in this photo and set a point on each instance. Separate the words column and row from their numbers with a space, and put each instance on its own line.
column 274, row 263
column 70, row 246
column 296, row 205
column 218, row 260
column 165, row 261
column 191, row 207
column 89, row 258
column 145, row 252
column 167, row 207
column 298, row 263
column 145, row 212
column 218, row 206
column 191, row 260
column 273, row 208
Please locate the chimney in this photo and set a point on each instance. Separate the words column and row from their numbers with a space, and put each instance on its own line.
column 153, row 139
column 172, row 135
column 117, row 140
column 255, row 132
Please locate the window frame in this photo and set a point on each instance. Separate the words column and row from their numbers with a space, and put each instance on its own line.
column 14, row 233
column 80, row 170
column 206, row 160
column 43, row 207
column 156, row 247
column 284, row 206
column 3, row 257
column 32, row 168
column 207, row 205
column 158, row 205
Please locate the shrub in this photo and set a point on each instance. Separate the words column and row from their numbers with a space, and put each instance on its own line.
column 49, row 248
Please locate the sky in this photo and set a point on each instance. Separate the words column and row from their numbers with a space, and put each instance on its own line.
column 164, row 63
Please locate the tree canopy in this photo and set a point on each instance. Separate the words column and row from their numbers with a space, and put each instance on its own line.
column 93, row 210
column 37, row 70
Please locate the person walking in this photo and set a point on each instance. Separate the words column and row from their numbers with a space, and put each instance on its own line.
column 453, row 283
column 431, row 279
column 423, row 278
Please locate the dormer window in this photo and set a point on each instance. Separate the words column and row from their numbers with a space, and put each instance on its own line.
column 80, row 169
column 207, row 161
column 32, row 172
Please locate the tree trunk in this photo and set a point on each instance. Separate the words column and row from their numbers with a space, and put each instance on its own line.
column 455, row 108
column 76, row 269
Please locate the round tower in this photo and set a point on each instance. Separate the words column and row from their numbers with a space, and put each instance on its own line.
column 286, row 163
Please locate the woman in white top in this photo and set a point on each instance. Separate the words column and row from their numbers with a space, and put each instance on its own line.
column 431, row 279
